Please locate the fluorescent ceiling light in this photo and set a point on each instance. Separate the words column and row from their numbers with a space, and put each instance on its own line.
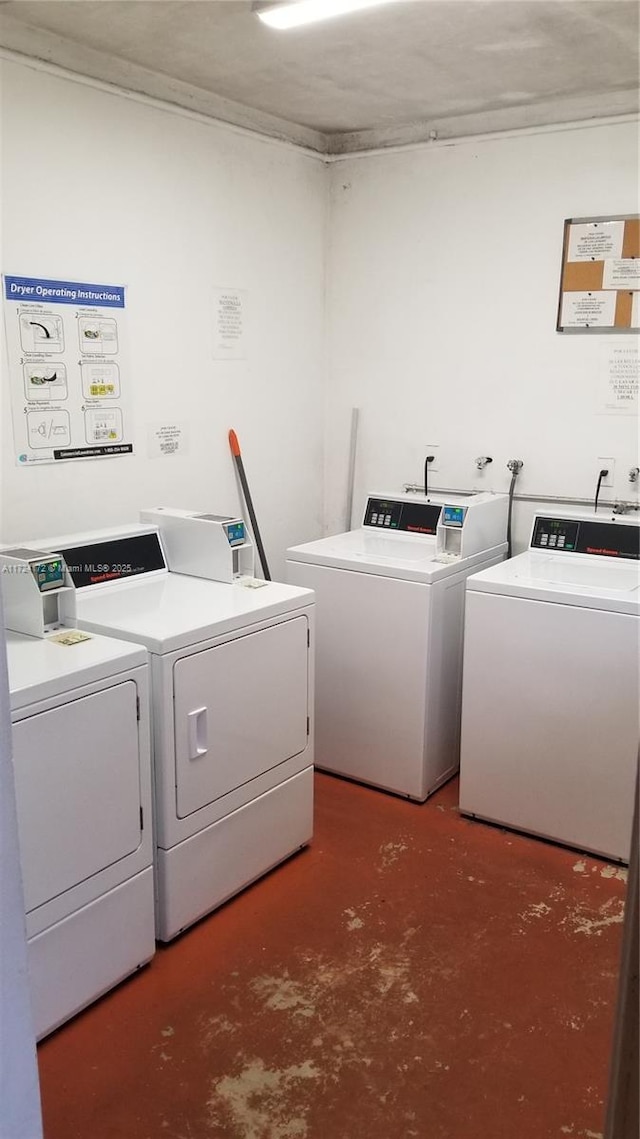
column 293, row 15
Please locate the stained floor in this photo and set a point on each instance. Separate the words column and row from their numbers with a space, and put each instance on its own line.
column 411, row 974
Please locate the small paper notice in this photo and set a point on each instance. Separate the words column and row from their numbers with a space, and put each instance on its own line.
column 595, row 240
column 623, row 273
column 619, row 380
column 165, row 439
column 588, row 310
column 635, row 311
column 229, row 324
column 72, row 637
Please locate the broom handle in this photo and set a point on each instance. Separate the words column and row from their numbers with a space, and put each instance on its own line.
column 235, row 451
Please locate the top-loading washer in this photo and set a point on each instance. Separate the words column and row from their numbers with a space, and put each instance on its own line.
column 82, row 762
column 232, row 712
column 390, row 605
column 550, row 718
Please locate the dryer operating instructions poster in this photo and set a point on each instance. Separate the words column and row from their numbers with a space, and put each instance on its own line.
column 70, row 385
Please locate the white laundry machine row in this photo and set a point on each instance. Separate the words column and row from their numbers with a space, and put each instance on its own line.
column 550, row 710
column 390, row 607
column 232, row 712
column 81, row 753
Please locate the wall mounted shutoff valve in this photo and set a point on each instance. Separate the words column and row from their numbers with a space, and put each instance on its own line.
column 633, row 474
column 483, row 461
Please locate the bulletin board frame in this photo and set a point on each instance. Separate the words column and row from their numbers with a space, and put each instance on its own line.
column 600, row 275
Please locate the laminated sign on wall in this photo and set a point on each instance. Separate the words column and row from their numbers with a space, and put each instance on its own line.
column 600, row 282
column 69, row 382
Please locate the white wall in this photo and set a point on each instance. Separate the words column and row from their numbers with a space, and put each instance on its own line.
column 443, row 281
column 100, row 187
column 444, row 272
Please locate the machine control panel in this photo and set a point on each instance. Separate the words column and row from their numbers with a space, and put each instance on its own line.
column 233, row 527
column 453, row 516
column 35, row 583
column 48, row 570
column 235, row 533
column 114, row 559
column 410, row 517
column 555, row 534
column 49, row 574
column 586, row 536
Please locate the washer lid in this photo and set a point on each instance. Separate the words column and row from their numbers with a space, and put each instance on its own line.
column 41, row 668
column 566, row 579
column 174, row 611
column 394, row 555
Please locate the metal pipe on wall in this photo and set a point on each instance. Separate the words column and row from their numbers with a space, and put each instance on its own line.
column 415, row 488
column 351, row 474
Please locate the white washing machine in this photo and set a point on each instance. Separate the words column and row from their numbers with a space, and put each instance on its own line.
column 232, row 712
column 390, row 607
column 550, row 714
column 81, row 752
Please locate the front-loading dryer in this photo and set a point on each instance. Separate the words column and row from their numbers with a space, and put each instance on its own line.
column 232, row 712
column 82, row 763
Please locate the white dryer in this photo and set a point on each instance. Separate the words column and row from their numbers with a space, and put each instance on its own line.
column 390, row 604
column 81, row 752
column 232, row 712
column 550, row 713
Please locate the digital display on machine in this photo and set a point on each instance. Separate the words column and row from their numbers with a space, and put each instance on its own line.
column 411, row 517
column 606, row 539
column 114, row 559
column 49, row 574
column 453, row 515
column 235, row 533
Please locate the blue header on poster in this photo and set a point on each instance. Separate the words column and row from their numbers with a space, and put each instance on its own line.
column 77, row 293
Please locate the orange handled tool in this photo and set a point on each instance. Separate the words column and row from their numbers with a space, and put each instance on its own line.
column 235, row 451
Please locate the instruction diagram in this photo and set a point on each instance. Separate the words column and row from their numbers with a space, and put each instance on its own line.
column 70, row 395
column 98, row 336
column 100, row 381
column 47, row 429
column 44, row 382
column 44, row 335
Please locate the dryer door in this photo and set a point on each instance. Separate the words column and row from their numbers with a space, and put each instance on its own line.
column 77, row 778
column 240, row 709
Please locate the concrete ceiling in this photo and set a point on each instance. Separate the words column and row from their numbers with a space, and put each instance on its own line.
column 383, row 77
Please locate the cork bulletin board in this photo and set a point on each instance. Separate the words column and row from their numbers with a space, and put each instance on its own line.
column 600, row 279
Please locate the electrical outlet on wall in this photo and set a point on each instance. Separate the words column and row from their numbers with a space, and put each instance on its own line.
column 433, row 449
column 606, row 464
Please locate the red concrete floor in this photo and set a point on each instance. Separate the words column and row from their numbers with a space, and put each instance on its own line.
column 412, row 973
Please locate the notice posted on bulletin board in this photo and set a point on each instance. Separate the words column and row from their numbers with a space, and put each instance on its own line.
column 70, row 393
column 600, row 279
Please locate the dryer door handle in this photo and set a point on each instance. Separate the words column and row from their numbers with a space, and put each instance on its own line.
column 197, row 729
